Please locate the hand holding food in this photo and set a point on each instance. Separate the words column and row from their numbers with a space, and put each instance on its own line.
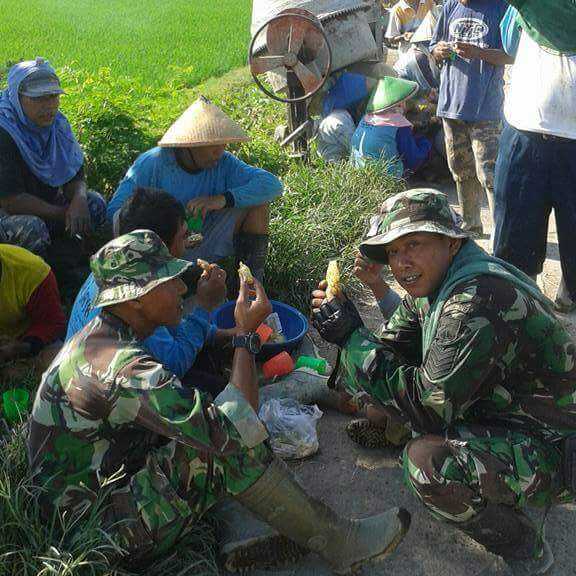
column 211, row 288
column 249, row 314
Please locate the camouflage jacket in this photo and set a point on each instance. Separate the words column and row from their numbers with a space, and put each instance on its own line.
column 499, row 357
column 104, row 404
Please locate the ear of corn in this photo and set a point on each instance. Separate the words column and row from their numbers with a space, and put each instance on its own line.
column 333, row 280
column 203, row 264
column 245, row 273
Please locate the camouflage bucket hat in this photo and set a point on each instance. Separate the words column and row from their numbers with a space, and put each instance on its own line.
column 417, row 210
column 131, row 265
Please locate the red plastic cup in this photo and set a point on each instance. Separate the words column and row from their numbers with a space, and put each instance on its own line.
column 264, row 331
column 279, row 365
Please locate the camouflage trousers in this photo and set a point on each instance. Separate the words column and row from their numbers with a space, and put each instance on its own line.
column 34, row 234
column 456, row 476
column 471, row 151
column 161, row 502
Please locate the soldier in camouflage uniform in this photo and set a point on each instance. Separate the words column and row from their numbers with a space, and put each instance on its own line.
column 107, row 410
column 476, row 361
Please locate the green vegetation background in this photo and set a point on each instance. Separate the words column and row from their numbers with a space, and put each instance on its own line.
column 147, row 39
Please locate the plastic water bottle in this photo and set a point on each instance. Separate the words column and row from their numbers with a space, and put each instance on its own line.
column 319, row 365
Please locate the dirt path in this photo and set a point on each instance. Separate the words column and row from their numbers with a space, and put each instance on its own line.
column 360, row 482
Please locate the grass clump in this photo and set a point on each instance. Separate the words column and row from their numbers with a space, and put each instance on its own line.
column 322, row 215
column 79, row 546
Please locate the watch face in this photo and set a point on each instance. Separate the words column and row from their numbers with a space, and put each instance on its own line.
column 254, row 343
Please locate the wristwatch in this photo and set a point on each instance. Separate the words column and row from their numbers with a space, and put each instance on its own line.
column 250, row 341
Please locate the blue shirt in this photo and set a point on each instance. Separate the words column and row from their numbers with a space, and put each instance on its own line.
column 158, row 168
column 397, row 146
column 175, row 348
column 471, row 90
column 511, row 31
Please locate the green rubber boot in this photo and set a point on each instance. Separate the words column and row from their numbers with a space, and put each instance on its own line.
column 246, row 543
column 278, row 499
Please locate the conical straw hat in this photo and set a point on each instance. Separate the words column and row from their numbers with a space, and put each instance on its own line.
column 203, row 124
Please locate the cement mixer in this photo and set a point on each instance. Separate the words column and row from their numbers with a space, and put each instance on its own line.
column 297, row 44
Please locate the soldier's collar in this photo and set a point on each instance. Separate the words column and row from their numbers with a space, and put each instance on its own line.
column 116, row 323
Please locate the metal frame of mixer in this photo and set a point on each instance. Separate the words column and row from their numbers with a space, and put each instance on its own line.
column 302, row 82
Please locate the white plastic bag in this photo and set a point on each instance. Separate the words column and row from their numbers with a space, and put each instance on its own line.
column 291, row 426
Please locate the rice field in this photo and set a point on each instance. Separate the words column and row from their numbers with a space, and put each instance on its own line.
column 153, row 40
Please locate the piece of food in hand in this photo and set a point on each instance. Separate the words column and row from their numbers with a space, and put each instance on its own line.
column 333, row 289
column 245, row 273
column 203, row 264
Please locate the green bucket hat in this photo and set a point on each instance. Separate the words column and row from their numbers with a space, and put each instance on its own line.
column 131, row 265
column 416, row 210
column 390, row 92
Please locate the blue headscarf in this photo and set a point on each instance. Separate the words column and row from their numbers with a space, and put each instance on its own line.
column 52, row 153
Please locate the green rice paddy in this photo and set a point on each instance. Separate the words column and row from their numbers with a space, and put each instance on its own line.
column 153, row 40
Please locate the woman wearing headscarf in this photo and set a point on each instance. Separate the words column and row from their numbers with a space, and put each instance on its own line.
column 42, row 183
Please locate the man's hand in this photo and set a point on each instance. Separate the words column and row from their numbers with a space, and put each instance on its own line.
column 249, row 314
column 206, row 204
column 367, row 272
column 319, row 295
column 211, row 288
column 370, row 274
column 468, row 51
column 442, row 51
column 334, row 319
column 408, row 36
column 78, row 215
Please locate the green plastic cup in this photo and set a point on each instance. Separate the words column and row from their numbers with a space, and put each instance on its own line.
column 318, row 364
column 194, row 223
column 15, row 404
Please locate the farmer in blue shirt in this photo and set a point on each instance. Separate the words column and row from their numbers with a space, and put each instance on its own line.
column 468, row 45
column 192, row 165
column 385, row 135
column 177, row 349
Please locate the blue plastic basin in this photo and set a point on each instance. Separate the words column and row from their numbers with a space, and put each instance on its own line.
column 294, row 326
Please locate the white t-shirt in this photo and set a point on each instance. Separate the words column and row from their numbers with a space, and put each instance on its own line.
column 542, row 93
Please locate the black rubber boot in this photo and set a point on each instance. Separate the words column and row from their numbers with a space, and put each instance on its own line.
column 252, row 249
column 510, row 534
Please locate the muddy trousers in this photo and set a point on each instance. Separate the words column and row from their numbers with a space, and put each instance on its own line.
column 456, row 477
column 471, row 150
column 163, row 500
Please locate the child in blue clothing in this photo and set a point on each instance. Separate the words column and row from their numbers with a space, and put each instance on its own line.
column 384, row 133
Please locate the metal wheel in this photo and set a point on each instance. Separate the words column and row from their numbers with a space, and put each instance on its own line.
column 291, row 46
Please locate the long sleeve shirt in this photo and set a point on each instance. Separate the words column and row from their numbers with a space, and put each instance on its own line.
column 175, row 348
column 105, row 405
column 498, row 358
column 158, row 168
